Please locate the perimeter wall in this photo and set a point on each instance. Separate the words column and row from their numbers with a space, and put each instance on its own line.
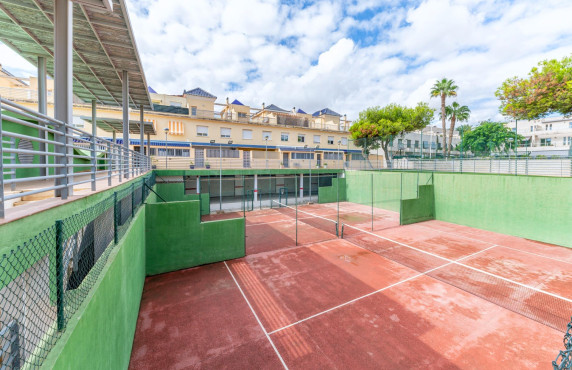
column 533, row 207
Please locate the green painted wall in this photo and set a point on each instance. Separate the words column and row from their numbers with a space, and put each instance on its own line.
column 177, row 239
column 329, row 194
column 19, row 231
column 175, row 192
column 100, row 335
column 418, row 209
column 389, row 188
column 534, row 207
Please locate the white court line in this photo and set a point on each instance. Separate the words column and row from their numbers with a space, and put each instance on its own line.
column 374, row 292
column 466, row 266
column 256, row 316
column 500, row 245
column 310, row 214
column 293, row 219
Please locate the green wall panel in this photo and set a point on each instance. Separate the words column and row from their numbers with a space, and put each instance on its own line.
column 100, row 335
column 175, row 192
column 177, row 239
column 329, row 194
column 533, row 207
column 418, row 209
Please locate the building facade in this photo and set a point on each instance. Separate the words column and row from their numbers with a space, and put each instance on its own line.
column 546, row 137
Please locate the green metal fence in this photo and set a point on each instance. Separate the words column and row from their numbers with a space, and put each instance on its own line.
column 44, row 281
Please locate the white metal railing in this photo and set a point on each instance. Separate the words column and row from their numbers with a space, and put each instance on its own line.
column 50, row 155
column 557, row 167
column 185, row 163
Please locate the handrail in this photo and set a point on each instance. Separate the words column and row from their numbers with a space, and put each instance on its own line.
column 37, row 148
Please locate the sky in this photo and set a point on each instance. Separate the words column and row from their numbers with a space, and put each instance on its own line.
column 345, row 55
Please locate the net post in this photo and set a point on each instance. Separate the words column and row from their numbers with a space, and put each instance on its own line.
column 400, row 198
column 115, row 216
column 342, row 234
column 60, row 275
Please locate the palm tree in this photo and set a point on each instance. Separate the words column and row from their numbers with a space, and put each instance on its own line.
column 444, row 88
column 456, row 113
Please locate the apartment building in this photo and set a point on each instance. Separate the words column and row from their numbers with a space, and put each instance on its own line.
column 194, row 130
column 547, row 136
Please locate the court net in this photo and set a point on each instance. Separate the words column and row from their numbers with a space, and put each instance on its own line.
column 319, row 222
column 544, row 307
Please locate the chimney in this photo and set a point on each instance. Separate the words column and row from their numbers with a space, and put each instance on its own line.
column 345, row 117
column 227, row 100
column 294, row 110
column 263, row 106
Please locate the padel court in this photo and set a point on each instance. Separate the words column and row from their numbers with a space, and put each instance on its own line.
column 343, row 285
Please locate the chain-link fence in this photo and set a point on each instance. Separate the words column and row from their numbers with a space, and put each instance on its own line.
column 564, row 359
column 44, row 281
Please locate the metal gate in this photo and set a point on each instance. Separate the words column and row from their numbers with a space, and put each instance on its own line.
column 199, row 158
column 246, row 159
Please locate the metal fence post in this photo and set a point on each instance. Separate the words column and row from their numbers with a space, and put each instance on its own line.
column 132, row 200
column 120, row 152
column 2, row 206
column 142, row 190
column 60, row 274
column 109, row 164
column 115, row 215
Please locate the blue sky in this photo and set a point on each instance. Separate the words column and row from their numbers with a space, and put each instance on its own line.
column 345, row 55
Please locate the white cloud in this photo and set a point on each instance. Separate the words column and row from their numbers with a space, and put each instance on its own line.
column 343, row 54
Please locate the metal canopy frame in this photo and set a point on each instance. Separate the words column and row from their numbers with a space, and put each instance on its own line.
column 103, row 47
column 116, row 125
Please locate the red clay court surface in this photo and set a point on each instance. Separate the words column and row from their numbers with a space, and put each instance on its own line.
column 427, row 295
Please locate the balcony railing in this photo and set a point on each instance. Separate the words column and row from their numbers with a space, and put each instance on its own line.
column 186, row 163
column 279, row 120
column 40, row 154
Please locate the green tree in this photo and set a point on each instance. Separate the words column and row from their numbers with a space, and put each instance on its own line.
column 377, row 127
column 487, row 137
column 444, row 88
column 456, row 113
column 548, row 89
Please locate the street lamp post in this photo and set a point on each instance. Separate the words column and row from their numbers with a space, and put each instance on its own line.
column 166, row 133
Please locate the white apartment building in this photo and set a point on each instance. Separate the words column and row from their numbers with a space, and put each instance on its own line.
column 546, row 136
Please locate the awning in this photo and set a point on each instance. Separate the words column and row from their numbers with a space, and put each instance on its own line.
column 103, row 46
column 116, row 125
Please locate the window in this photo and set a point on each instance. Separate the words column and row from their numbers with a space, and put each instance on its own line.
column 266, row 135
column 551, row 127
column 247, row 134
column 400, row 143
column 193, row 111
column 222, row 153
column 301, row 138
column 408, row 143
column 330, row 140
column 317, row 139
column 514, row 129
column 416, row 143
column 241, row 115
column 302, row 155
column 335, row 156
column 284, row 136
column 357, row 157
column 569, row 124
column 202, row 131
column 531, row 128
column 224, row 132
column 344, row 141
column 175, row 103
column 425, row 144
column 546, row 142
